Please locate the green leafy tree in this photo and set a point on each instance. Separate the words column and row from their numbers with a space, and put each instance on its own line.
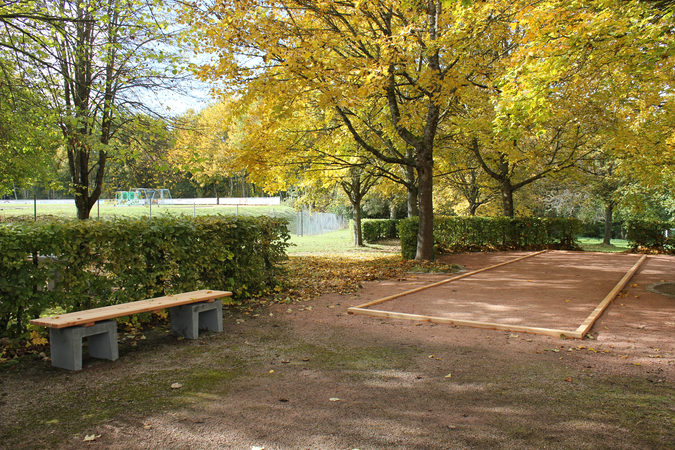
column 28, row 139
column 92, row 62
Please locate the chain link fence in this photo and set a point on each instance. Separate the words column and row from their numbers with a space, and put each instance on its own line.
column 311, row 223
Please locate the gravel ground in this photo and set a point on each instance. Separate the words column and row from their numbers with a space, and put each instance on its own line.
column 311, row 376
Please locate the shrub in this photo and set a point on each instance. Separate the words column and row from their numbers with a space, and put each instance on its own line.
column 373, row 230
column 407, row 231
column 109, row 262
column 463, row 234
column 650, row 236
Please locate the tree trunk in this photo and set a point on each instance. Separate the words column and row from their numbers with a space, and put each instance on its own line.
column 412, row 192
column 507, row 198
column 609, row 212
column 358, row 235
column 425, row 233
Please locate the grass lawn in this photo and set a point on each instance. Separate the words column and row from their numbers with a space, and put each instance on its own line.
column 338, row 242
column 596, row 245
column 108, row 211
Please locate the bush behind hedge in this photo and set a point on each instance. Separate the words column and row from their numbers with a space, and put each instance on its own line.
column 463, row 234
column 109, row 262
column 650, row 236
column 373, row 230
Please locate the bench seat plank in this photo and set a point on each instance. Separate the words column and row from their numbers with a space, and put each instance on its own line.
column 125, row 309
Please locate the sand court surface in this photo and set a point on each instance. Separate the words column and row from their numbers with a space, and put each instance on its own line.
column 556, row 290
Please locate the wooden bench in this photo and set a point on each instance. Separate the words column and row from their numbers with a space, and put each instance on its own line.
column 189, row 312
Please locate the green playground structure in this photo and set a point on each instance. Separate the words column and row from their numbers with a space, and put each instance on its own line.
column 143, row 197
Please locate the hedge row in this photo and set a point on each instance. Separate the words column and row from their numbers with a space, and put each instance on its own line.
column 373, row 230
column 110, row 262
column 463, row 234
column 650, row 236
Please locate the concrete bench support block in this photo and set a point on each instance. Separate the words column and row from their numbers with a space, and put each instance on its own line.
column 187, row 320
column 66, row 344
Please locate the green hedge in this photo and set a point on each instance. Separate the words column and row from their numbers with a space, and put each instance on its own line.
column 463, row 234
column 650, row 236
column 373, row 230
column 110, row 262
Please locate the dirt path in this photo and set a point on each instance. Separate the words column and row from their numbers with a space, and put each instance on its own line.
column 310, row 376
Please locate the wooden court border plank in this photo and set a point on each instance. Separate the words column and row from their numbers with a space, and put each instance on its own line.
column 579, row 333
column 597, row 312
column 467, row 323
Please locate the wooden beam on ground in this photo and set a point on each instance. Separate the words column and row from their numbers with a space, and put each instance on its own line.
column 468, row 323
column 464, row 275
column 590, row 320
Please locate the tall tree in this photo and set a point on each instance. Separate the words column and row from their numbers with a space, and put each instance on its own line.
column 204, row 147
column 530, row 159
column 390, row 71
column 94, row 61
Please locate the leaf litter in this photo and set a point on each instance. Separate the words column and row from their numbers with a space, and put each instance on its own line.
column 309, row 276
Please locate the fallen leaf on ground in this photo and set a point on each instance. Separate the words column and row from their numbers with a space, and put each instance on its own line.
column 568, row 379
column 334, row 399
column 91, row 437
column 448, row 375
column 176, row 386
column 343, row 272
